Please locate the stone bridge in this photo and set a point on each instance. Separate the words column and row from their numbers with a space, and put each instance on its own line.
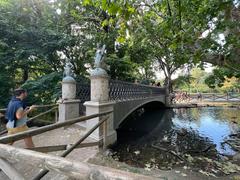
column 126, row 98
column 103, row 94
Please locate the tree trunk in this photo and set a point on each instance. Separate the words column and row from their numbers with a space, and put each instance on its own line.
column 25, row 74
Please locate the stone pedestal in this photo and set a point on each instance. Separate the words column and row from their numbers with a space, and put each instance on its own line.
column 106, row 132
column 68, row 88
column 68, row 105
column 99, row 103
column 68, row 109
column 99, row 88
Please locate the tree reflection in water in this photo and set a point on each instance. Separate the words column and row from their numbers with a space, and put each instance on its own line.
column 159, row 139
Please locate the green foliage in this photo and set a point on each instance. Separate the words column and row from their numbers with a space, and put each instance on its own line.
column 45, row 89
column 37, row 36
column 5, row 90
column 219, row 76
column 194, row 82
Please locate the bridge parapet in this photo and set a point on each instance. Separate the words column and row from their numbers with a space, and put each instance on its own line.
column 83, row 91
column 121, row 90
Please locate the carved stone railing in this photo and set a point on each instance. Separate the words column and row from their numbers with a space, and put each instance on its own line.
column 120, row 90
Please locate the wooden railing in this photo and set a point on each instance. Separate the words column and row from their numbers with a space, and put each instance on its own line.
column 58, row 164
column 54, row 107
column 40, row 130
column 72, row 169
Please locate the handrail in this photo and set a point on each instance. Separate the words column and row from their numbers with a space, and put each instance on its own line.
column 215, row 96
column 73, row 169
column 45, row 105
column 43, row 172
column 33, row 132
column 47, row 149
column 10, row 171
column 37, row 106
column 41, row 114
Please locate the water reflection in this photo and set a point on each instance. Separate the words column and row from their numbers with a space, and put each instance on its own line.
column 145, row 136
column 207, row 122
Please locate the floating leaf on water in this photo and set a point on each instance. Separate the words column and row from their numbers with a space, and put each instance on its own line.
column 203, row 172
column 116, row 158
column 215, row 171
column 153, row 160
column 137, row 152
column 165, row 139
column 189, row 158
column 148, row 165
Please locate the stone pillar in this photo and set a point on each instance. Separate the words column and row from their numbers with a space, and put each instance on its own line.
column 99, row 88
column 106, row 132
column 68, row 88
column 100, row 103
column 68, row 105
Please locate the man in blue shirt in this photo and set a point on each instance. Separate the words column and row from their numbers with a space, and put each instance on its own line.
column 17, row 115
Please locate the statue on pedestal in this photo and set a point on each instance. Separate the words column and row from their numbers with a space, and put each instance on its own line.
column 99, row 64
column 68, row 69
column 99, row 57
column 67, row 73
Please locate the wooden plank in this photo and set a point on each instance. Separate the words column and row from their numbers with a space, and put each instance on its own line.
column 10, row 171
column 43, row 172
column 45, row 105
column 41, row 114
column 61, row 147
column 37, row 106
column 33, row 132
column 70, row 168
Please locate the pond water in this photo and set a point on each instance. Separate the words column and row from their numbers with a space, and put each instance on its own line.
column 158, row 137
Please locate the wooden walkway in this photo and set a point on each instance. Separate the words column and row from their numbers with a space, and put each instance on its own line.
column 55, row 137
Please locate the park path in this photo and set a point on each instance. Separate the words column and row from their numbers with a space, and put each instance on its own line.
column 55, row 137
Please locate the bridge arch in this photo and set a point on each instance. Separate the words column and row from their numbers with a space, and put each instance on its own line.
column 123, row 109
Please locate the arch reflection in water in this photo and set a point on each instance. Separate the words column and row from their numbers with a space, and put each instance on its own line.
column 184, row 131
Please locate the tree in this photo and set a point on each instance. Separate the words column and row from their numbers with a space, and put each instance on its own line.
column 220, row 77
column 180, row 32
column 97, row 20
column 31, row 35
